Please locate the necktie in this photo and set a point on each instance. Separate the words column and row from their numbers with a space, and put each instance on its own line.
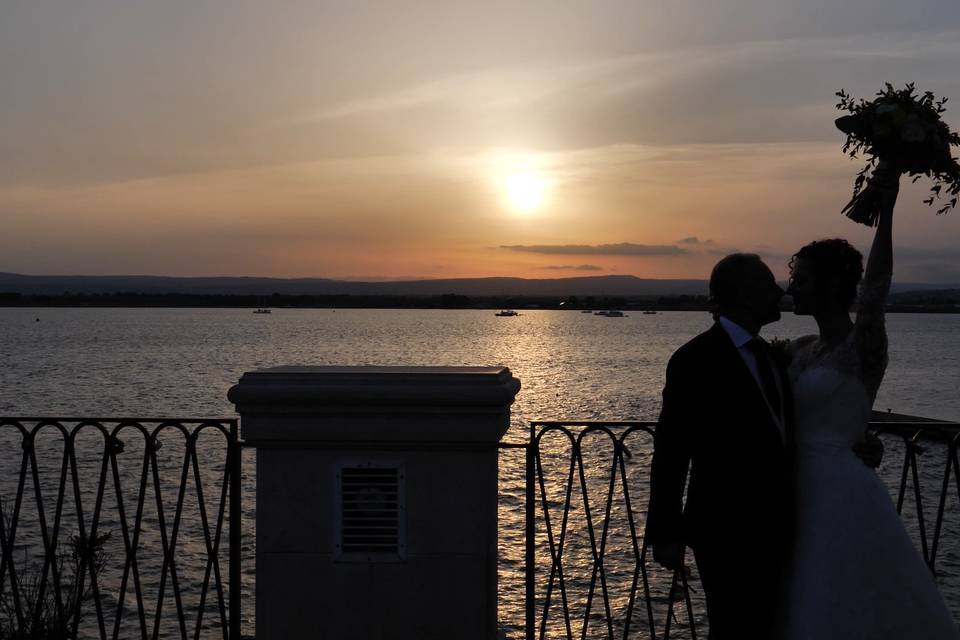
column 761, row 351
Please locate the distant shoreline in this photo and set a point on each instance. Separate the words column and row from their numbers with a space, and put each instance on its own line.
column 444, row 302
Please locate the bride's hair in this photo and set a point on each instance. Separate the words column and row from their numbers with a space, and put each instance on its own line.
column 832, row 260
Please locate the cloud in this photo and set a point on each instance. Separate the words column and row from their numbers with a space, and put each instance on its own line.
column 692, row 94
column 621, row 249
column 710, row 248
column 570, row 267
column 764, row 253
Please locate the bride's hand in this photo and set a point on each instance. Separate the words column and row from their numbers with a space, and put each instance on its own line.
column 870, row 450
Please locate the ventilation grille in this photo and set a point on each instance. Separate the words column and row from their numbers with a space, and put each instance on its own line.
column 371, row 511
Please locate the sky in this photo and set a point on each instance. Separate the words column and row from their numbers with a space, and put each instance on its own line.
column 385, row 140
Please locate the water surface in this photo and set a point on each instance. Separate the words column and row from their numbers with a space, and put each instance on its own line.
column 181, row 362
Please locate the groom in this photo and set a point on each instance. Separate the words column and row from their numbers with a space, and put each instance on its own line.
column 726, row 416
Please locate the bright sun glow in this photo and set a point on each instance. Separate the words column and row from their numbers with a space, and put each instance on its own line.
column 525, row 190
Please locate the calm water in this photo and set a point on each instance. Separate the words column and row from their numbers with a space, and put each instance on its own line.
column 180, row 363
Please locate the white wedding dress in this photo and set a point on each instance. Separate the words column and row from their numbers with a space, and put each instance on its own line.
column 854, row 572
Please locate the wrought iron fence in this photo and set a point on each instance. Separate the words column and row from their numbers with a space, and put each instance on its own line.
column 939, row 441
column 102, row 536
column 115, row 528
column 587, row 570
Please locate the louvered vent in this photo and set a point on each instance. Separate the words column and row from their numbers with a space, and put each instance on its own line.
column 371, row 514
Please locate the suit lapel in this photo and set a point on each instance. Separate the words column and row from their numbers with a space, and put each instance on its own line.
column 788, row 421
column 729, row 360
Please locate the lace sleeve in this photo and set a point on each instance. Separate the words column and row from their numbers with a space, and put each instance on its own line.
column 870, row 331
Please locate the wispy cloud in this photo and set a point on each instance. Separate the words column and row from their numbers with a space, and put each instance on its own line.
column 710, row 248
column 693, row 240
column 684, row 95
column 570, row 267
column 620, row 249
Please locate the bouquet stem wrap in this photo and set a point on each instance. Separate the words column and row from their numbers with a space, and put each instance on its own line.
column 879, row 194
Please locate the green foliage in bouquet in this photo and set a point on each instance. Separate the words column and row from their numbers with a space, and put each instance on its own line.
column 899, row 132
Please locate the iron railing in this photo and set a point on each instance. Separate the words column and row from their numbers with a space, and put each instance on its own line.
column 70, row 562
column 915, row 439
column 587, row 487
column 104, row 521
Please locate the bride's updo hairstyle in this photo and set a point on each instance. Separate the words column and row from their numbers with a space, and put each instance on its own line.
column 836, row 267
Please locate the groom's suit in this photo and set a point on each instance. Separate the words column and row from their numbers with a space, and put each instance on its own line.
column 716, row 421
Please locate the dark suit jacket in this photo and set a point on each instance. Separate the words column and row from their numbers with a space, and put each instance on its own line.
column 715, row 422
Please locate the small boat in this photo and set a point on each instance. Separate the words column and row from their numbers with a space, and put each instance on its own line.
column 506, row 312
column 614, row 314
column 586, row 311
column 262, row 310
column 649, row 312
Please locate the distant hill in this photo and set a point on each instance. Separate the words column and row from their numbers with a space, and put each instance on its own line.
column 612, row 285
column 584, row 286
column 927, row 297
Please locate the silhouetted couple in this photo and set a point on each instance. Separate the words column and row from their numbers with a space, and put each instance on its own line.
column 794, row 535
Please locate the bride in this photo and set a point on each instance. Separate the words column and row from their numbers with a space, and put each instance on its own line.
column 854, row 572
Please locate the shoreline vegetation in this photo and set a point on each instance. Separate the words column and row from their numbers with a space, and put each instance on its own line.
column 928, row 301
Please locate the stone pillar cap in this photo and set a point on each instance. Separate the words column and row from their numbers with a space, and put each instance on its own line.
column 367, row 385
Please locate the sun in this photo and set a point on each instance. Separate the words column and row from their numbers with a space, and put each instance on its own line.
column 525, row 190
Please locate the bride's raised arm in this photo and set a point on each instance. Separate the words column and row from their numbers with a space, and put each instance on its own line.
column 871, row 335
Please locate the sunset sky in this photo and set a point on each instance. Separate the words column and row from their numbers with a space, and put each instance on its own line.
column 450, row 139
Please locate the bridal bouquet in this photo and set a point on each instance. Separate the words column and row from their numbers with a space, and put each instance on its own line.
column 900, row 132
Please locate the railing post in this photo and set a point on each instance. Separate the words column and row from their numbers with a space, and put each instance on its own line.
column 236, row 595
column 530, row 537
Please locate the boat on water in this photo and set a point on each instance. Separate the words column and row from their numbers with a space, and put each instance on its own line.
column 610, row 313
column 507, row 312
column 586, row 311
column 649, row 312
column 262, row 310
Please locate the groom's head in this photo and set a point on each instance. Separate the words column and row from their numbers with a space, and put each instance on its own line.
column 743, row 289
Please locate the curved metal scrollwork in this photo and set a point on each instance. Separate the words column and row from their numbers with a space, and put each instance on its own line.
column 75, row 588
column 597, row 493
column 660, row 604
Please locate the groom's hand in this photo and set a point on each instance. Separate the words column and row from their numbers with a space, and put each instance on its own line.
column 870, row 450
column 669, row 555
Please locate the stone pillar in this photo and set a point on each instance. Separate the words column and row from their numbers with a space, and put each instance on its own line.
column 376, row 499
